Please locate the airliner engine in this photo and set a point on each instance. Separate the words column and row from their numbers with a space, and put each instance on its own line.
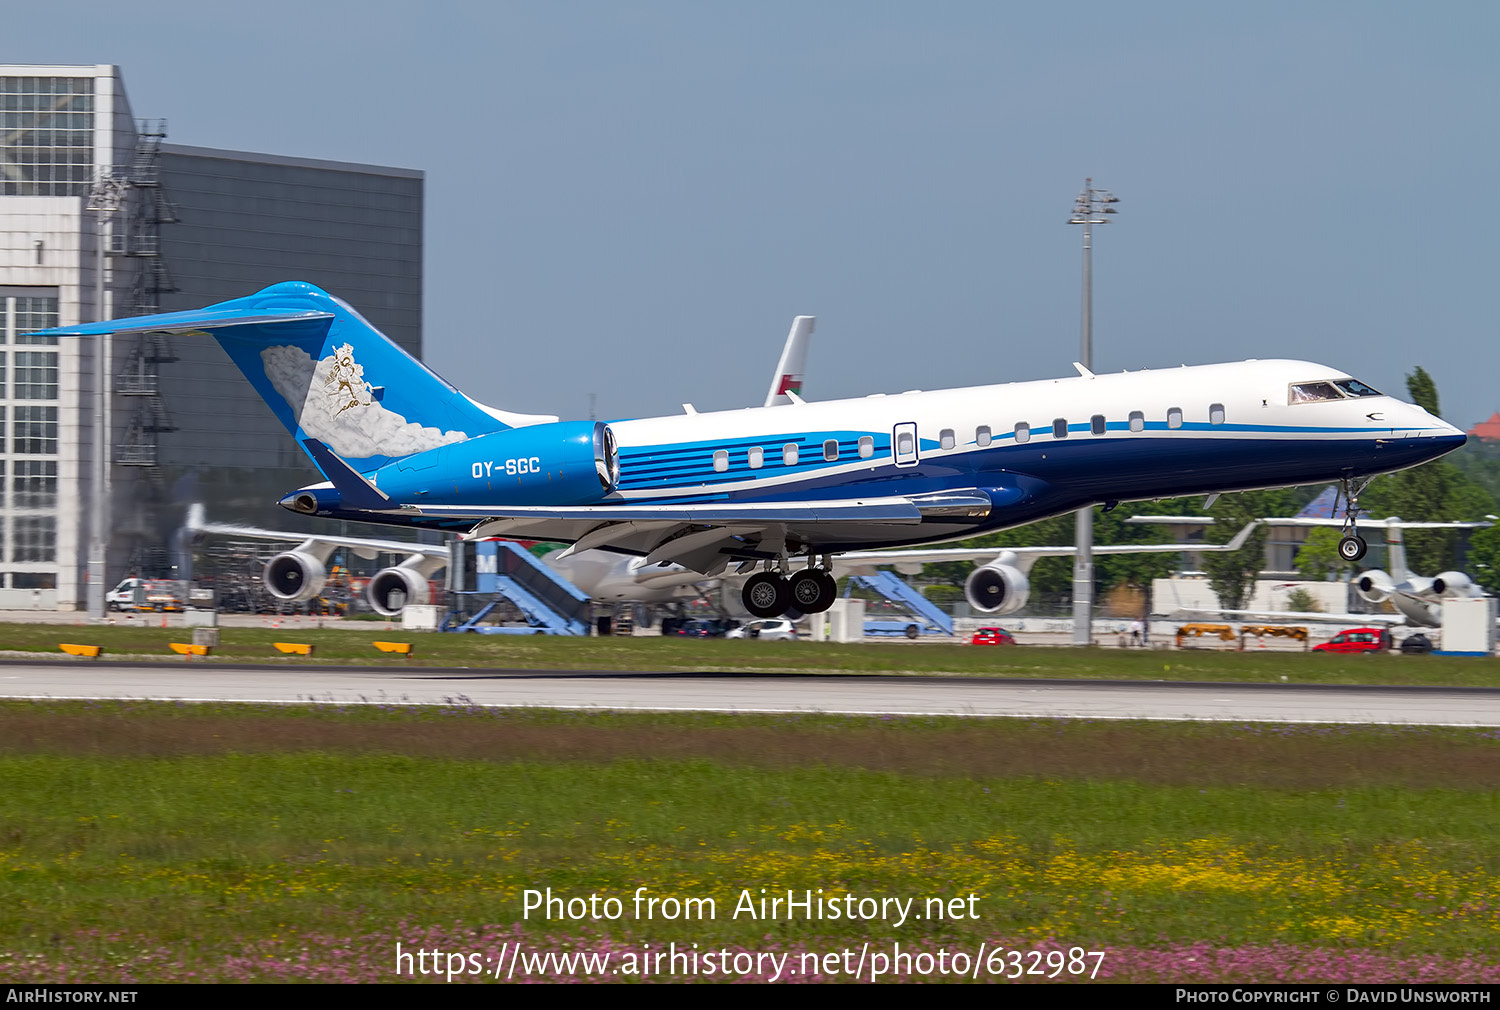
column 386, row 584
column 393, row 589
column 294, row 576
column 1453, row 584
column 997, row 588
column 1374, row 586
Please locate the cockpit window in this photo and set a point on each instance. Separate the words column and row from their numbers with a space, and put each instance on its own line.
column 1353, row 387
column 1313, row 392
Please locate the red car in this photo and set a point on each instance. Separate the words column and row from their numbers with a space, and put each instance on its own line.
column 992, row 636
column 1357, row 640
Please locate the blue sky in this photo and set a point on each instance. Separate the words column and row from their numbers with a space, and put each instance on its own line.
column 633, row 199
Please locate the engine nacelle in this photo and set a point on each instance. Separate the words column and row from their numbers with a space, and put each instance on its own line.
column 386, row 583
column 997, row 589
column 1453, row 584
column 1374, row 586
column 294, row 576
column 564, row 463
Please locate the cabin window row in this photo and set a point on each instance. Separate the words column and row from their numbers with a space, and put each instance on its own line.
column 791, row 452
column 948, row 438
column 1098, row 425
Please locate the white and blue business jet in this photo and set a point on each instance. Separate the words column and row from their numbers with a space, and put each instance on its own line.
column 764, row 487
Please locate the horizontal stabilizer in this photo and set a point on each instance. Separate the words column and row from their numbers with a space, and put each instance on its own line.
column 192, row 321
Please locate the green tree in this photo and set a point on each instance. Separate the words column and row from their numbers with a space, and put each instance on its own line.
column 1433, row 492
column 1232, row 574
column 1318, row 557
column 1423, row 391
column 1484, row 558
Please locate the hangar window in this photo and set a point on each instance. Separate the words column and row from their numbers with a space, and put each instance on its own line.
column 721, row 460
column 1215, row 413
column 1137, row 421
column 1313, row 392
column 789, row 454
column 866, row 447
column 1097, row 425
column 36, row 375
column 35, row 539
column 946, row 438
column 1060, row 428
column 757, row 457
column 831, row 449
column 35, row 431
column 35, row 484
column 1023, row 432
column 1174, row 417
column 982, row 435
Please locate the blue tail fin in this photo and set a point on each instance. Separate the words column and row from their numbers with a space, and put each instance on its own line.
column 329, row 375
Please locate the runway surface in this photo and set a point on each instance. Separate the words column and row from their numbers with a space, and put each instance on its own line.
column 755, row 693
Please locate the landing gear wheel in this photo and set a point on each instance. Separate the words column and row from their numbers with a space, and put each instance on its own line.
column 812, row 592
column 1352, row 548
column 766, row 594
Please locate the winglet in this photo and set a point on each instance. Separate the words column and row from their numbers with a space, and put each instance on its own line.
column 1243, row 535
column 353, row 487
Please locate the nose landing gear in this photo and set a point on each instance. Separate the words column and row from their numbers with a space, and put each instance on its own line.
column 1352, row 546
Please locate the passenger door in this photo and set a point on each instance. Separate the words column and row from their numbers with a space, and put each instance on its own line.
column 904, row 444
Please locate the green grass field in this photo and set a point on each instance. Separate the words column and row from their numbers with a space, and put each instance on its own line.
column 353, row 646
column 150, row 841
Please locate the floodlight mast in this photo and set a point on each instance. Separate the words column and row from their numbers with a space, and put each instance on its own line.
column 106, row 197
column 1089, row 209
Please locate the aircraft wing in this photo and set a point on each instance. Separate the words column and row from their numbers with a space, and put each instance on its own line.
column 1308, row 616
column 917, row 558
column 365, row 547
column 1379, row 524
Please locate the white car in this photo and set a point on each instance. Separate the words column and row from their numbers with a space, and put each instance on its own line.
column 775, row 629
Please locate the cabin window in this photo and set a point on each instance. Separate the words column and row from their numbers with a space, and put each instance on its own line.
column 1313, row 392
column 1023, row 432
column 866, row 447
column 1137, row 421
column 1174, row 417
column 831, row 449
column 1097, row 425
column 721, row 460
column 789, row 454
column 946, row 438
column 1060, row 428
column 757, row 457
column 1215, row 413
column 982, row 435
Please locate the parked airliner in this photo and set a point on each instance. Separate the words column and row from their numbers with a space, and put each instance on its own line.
column 761, row 486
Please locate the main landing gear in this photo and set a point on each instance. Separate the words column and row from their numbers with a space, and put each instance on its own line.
column 771, row 594
column 1352, row 546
